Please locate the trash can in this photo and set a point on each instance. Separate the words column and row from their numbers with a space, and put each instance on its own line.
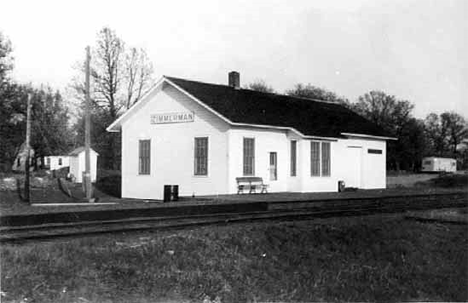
column 171, row 193
column 341, row 186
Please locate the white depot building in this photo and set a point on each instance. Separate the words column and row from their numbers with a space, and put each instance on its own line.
column 203, row 136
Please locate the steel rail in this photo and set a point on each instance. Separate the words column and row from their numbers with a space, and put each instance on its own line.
column 88, row 228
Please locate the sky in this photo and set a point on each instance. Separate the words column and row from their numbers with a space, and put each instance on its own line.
column 416, row 50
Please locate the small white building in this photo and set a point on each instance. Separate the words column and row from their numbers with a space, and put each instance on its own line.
column 202, row 136
column 57, row 162
column 78, row 166
column 438, row 164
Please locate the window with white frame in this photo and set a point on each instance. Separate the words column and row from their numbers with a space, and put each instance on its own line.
column 320, row 159
column 249, row 157
column 201, row 156
column 144, row 157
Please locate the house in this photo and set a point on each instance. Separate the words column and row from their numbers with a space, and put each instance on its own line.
column 203, row 136
column 57, row 162
column 78, row 164
column 20, row 159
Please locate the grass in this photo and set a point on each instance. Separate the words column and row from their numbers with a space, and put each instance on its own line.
column 378, row 258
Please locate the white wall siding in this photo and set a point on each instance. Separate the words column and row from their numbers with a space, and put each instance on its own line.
column 54, row 162
column 266, row 141
column 78, row 166
column 172, row 149
column 353, row 163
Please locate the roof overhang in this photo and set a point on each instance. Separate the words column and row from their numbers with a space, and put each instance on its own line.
column 363, row 136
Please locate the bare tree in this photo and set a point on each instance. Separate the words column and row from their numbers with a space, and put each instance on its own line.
column 108, row 70
column 119, row 78
column 139, row 71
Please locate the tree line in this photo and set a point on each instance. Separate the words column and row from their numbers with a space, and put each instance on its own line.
column 121, row 74
column 440, row 135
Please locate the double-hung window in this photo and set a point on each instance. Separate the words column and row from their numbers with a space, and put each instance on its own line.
column 320, row 159
column 326, row 159
column 293, row 158
column 315, row 159
column 201, row 156
column 249, row 157
column 144, row 157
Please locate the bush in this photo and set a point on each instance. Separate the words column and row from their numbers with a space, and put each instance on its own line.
column 61, row 172
column 111, row 185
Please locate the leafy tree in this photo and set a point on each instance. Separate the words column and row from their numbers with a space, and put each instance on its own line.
column 411, row 148
column 6, row 60
column 394, row 116
column 318, row 93
column 50, row 133
column 444, row 133
column 455, row 128
column 261, row 86
column 385, row 110
column 436, row 136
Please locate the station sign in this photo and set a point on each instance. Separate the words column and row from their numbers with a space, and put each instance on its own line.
column 163, row 118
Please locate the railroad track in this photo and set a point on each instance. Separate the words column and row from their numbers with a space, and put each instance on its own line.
column 86, row 228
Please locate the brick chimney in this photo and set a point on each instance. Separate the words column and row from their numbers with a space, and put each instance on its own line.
column 234, row 79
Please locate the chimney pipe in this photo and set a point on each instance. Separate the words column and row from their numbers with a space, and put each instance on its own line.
column 234, row 79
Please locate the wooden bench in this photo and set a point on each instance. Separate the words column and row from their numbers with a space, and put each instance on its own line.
column 251, row 183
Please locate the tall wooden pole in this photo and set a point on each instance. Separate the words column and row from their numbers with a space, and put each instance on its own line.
column 28, row 150
column 87, row 174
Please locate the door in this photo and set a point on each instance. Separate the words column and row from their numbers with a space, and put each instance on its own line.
column 353, row 166
column 273, row 166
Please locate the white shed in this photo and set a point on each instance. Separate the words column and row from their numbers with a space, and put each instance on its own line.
column 57, row 162
column 204, row 136
column 77, row 164
column 437, row 164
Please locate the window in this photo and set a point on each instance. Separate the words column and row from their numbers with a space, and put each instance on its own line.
column 60, row 161
column 249, row 156
column 374, row 151
column 326, row 159
column 320, row 159
column 315, row 158
column 144, row 156
column 293, row 158
column 48, row 161
column 201, row 156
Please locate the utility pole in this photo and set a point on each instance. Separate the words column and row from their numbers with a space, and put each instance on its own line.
column 87, row 174
column 28, row 151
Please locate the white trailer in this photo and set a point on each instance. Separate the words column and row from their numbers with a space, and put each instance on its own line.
column 436, row 164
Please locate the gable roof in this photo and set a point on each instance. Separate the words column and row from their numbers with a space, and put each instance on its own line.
column 79, row 150
column 244, row 107
column 309, row 117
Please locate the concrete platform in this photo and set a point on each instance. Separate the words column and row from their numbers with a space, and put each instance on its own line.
column 216, row 205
